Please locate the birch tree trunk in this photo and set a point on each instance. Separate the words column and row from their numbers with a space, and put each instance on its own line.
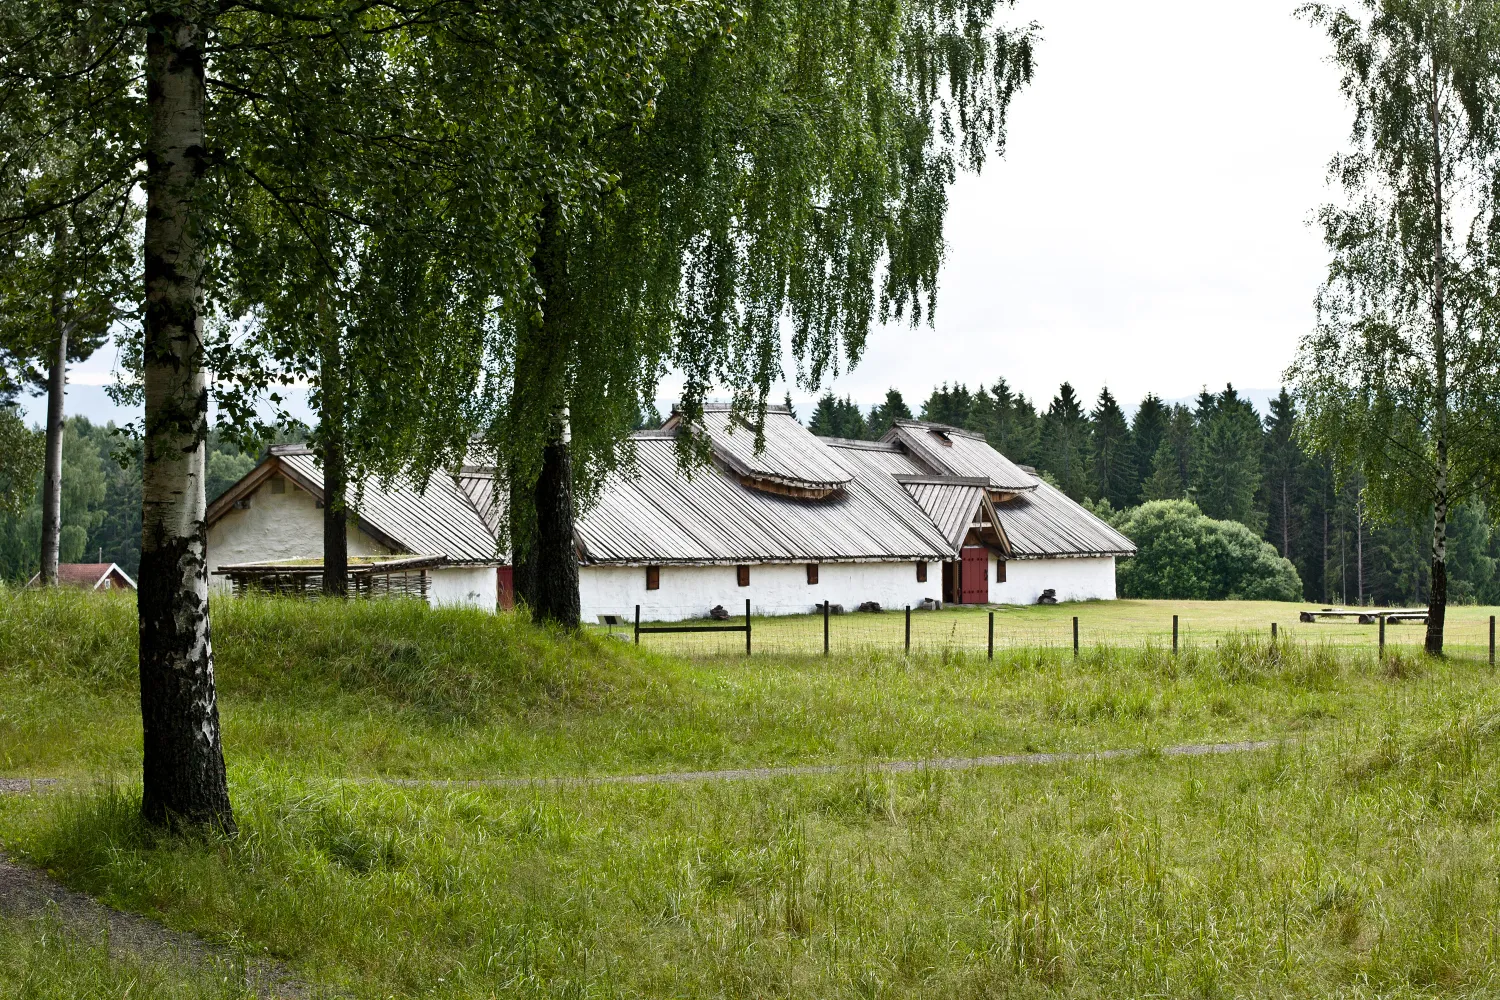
column 335, row 467
column 551, row 566
column 57, row 379
column 1437, row 598
column 184, row 779
column 555, row 579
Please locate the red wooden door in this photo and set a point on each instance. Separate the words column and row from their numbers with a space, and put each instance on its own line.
column 974, row 579
column 505, row 586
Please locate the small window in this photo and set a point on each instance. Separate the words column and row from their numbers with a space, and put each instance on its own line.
column 278, row 484
column 812, row 574
column 653, row 577
column 999, row 570
column 742, row 575
column 921, row 572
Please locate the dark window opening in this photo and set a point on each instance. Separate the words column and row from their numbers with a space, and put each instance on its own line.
column 653, row 577
column 921, row 572
column 812, row 573
column 999, row 570
column 278, row 484
column 742, row 575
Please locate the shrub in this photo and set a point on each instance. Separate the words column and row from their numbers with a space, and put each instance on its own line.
column 1185, row 555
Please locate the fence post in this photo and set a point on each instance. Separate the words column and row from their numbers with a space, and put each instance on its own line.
column 637, row 624
column 825, row 628
column 908, row 629
column 1273, row 632
column 747, row 626
column 1174, row 633
column 1075, row 637
column 1492, row 640
column 992, row 635
column 1382, row 637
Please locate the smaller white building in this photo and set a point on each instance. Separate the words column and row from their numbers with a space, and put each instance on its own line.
column 266, row 531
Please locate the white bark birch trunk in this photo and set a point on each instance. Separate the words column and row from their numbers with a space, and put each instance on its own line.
column 184, row 779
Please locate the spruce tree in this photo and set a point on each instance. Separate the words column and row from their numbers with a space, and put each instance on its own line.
column 1112, row 458
column 1282, row 475
column 1147, row 431
column 1227, row 459
column 1065, row 443
column 884, row 416
column 1165, row 481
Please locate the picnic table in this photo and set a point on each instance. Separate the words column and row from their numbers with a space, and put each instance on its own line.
column 1369, row 616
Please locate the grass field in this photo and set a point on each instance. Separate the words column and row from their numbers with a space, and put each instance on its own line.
column 1101, row 623
column 1360, row 859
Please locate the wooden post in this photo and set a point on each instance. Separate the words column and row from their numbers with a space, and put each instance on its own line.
column 1075, row 637
column 908, row 629
column 1273, row 632
column 637, row 624
column 1382, row 637
column 1492, row 640
column 747, row 626
column 1174, row 633
column 825, row 628
column 992, row 635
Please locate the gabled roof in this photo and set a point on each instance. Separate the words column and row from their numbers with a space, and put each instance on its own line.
column 951, row 451
column 792, row 456
column 659, row 514
column 1046, row 522
column 87, row 576
column 440, row 521
column 951, row 505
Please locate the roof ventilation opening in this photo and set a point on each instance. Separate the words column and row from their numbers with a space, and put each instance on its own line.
column 942, row 436
column 786, row 488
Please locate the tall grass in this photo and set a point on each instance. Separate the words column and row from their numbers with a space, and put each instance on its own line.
column 1358, row 867
column 396, row 689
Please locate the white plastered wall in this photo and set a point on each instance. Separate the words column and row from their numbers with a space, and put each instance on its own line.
column 690, row 591
column 1073, row 579
column 276, row 527
column 463, row 587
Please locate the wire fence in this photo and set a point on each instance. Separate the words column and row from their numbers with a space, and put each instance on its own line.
column 985, row 630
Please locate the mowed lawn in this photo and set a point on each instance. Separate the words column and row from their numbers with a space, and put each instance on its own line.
column 1358, row 857
column 1124, row 623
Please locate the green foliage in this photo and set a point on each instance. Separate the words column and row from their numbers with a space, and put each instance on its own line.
column 1164, row 483
column 1065, row 443
column 884, row 416
column 838, row 418
column 83, row 500
column 1112, row 455
column 1184, row 554
column 1398, row 379
column 21, row 454
column 1227, row 459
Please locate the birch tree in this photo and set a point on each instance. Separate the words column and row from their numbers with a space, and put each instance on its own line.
column 1400, row 377
column 793, row 170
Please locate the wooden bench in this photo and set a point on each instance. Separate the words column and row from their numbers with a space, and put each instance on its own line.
column 1368, row 616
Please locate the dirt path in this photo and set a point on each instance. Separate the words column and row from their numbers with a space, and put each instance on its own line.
column 28, row 894
column 814, row 770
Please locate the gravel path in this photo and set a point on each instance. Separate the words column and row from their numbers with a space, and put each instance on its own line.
column 28, row 894
column 813, row 770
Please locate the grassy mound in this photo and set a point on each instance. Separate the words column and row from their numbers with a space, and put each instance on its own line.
column 451, row 663
column 394, row 688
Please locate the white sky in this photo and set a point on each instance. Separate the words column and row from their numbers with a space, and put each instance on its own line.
column 1148, row 228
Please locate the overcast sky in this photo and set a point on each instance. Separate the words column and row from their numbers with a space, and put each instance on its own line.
column 1148, row 227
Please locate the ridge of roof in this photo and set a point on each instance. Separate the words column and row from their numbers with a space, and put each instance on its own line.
column 290, row 449
column 944, row 428
column 858, row 444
